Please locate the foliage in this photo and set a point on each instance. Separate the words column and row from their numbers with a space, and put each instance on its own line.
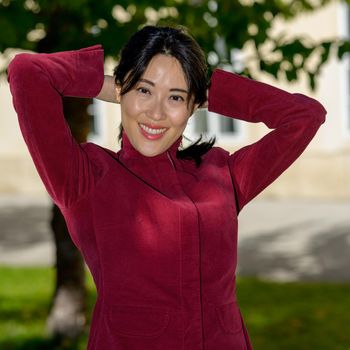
column 222, row 27
column 289, row 316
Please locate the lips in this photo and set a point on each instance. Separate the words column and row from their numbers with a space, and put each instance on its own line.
column 152, row 133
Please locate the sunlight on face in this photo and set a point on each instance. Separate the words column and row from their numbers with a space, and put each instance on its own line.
column 155, row 112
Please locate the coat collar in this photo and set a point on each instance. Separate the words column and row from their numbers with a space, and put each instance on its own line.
column 159, row 172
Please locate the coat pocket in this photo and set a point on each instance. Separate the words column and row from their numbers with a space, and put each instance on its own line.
column 137, row 321
column 229, row 317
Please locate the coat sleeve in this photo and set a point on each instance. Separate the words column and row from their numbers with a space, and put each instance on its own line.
column 37, row 83
column 294, row 118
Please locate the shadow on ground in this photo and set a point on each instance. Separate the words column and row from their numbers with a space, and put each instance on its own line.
column 274, row 255
column 23, row 226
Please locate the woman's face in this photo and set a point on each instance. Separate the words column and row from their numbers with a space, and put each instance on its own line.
column 155, row 112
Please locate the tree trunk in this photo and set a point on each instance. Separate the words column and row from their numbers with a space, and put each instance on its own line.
column 67, row 315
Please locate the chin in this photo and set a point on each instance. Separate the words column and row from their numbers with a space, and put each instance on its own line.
column 150, row 153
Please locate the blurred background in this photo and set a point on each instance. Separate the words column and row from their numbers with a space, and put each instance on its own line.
column 294, row 242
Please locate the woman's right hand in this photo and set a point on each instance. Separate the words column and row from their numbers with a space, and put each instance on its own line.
column 108, row 92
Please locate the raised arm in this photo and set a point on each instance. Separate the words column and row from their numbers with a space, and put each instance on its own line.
column 108, row 92
column 295, row 119
column 37, row 83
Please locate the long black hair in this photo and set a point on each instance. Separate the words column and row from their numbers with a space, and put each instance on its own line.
column 176, row 42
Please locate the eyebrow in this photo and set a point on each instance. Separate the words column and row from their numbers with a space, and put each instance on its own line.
column 173, row 89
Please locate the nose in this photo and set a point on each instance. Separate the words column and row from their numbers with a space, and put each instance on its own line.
column 156, row 110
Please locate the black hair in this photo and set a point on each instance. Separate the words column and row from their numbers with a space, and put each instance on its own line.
column 176, row 42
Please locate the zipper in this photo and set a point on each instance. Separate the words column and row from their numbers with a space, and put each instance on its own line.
column 171, row 160
column 200, row 257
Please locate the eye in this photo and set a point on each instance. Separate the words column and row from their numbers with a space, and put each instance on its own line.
column 143, row 90
column 177, row 98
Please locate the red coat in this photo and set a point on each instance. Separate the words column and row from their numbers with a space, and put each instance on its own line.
column 158, row 234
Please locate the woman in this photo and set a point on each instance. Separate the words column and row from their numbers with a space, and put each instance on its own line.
column 156, row 225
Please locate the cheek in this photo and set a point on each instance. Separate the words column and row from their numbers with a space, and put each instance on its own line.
column 129, row 109
column 180, row 119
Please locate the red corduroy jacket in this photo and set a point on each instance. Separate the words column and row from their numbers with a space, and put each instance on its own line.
column 158, row 234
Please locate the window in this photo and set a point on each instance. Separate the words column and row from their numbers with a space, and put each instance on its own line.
column 98, row 122
column 227, row 130
column 210, row 124
column 346, row 33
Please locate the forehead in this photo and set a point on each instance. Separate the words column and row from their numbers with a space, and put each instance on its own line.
column 165, row 70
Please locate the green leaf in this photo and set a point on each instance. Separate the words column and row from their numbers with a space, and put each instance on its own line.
column 343, row 48
column 312, row 80
column 291, row 74
column 326, row 51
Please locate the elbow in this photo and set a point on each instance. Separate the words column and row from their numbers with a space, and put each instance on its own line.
column 18, row 64
column 315, row 109
column 21, row 68
column 318, row 111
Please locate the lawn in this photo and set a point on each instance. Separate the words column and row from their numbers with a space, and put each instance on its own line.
column 278, row 316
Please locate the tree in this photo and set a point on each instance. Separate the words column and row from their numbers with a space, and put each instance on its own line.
column 222, row 28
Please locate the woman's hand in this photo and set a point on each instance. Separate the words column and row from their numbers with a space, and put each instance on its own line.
column 108, row 92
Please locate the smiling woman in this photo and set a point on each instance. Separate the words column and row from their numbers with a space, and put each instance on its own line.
column 155, row 113
column 157, row 226
column 166, row 64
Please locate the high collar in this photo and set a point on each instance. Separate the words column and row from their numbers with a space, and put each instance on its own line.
column 128, row 151
column 159, row 172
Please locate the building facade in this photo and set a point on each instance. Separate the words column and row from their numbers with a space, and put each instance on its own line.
column 323, row 171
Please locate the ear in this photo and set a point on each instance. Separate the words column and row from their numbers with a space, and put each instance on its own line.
column 118, row 89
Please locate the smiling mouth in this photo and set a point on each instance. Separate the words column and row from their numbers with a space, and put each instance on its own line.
column 152, row 131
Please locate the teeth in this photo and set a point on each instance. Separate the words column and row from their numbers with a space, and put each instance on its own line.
column 152, row 131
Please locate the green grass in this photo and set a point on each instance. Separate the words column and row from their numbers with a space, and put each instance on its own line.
column 278, row 316
column 25, row 295
column 299, row 316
